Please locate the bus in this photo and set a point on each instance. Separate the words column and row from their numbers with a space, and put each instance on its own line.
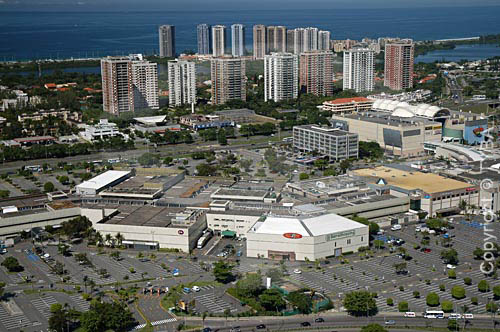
column 434, row 314
column 203, row 240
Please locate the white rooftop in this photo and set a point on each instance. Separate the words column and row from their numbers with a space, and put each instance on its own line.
column 150, row 120
column 313, row 226
column 103, row 179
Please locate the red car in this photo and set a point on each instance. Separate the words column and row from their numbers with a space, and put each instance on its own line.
column 427, row 250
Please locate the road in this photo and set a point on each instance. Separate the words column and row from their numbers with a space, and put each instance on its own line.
column 179, row 149
column 334, row 320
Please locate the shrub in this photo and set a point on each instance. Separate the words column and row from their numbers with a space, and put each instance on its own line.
column 403, row 306
column 442, row 287
column 447, row 306
column 390, row 302
column 458, row 292
column 474, row 300
column 432, row 299
column 401, row 288
column 416, row 294
column 483, row 286
column 452, row 274
column 467, row 281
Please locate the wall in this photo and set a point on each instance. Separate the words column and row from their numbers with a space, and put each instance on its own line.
column 227, row 222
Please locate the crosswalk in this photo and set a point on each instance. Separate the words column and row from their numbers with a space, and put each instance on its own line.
column 14, row 322
column 159, row 322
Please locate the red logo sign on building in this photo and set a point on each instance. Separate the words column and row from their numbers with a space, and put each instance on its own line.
column 292, row 235
column 180, row 232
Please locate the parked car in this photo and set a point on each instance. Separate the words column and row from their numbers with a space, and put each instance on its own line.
column 305, row 324
column 297, row 271
column 450, row 266
column 396, row 227
column 390, row 322
column 260, row 327
column 410, row 314
column 187, row 290
column 235, row 329
column 195, row 289
column 319, row 320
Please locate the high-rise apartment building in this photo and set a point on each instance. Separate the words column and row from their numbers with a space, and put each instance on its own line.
column 238, row 39
column 298, row 41
column 181, row 82
column 218, row 40
column 324, row 40
column 290, row 40
column 203, row 31
column 281, row 81
column 129, row 83
column 359, row 68
column 280, row 39
column 316, row 72
column 167, row 40
column 228, row 80
column 310, row 39
column 270, row 38
column 399, row 58
column 259, row 41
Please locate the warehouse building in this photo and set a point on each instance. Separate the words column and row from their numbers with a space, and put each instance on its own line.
column 105, row 180
column 432, row 193
column 151, row 228
column 305, row 237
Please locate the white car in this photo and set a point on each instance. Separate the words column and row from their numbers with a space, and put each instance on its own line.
column 410, row 314
column 297, row 271
column 451, row 266
column 196, row 289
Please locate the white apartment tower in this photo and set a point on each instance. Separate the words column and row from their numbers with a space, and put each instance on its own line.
column 203, row 31
column 298, row 40
column 259, row 41
column 218, row 40
column 359, row 68
column 238, row 39
column 310, row 39
column 181, row 82
column 281, row 76
column 129, row 83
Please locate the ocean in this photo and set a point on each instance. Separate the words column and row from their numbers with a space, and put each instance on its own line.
column 35, row 35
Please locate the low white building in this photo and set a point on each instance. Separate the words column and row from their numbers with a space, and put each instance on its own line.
column 104, row 129
column 105, row 180
column 305, row 237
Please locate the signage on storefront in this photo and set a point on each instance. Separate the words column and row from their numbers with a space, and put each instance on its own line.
column 180, row 232
column 339, row 235
column 292, row 235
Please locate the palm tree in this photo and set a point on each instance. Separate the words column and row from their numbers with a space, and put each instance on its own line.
column 462, row 205
column 203, row 317
column 119, row 238
column 99, row 239
column 108, row 239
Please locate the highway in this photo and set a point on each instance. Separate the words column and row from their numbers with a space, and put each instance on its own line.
column 336, row 321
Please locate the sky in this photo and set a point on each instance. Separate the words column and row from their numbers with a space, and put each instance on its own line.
column 196, row 5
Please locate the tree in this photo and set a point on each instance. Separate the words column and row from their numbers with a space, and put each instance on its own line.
column 223, row 272
column 447, row 306
column 2, row 289
column 452, row 274
column 416, row 294
column 115, row 255
column 148, row 159
column 63, row 249
column 496, row 292
column 458, row 292
column 432, row 299
column 48, row 187
column 483, row 286
column 59, row 318
column 12, row 264
column 303, row 176
column 272, row 300
column 403, row 306
column 452, row 325
column 119, row 238
column 76, row 227
column 360, row 303
column 206, row 170
column 301, row 301
column 104, row 316
column 221, row 137
column 373, row 328
column 478, row 253
column 400, row 267
column 450, row 256
column 467, row 281
column 250, row 286
column 344, row 165
column 491, row 307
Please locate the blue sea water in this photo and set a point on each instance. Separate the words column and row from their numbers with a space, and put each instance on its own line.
column 31, row 35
